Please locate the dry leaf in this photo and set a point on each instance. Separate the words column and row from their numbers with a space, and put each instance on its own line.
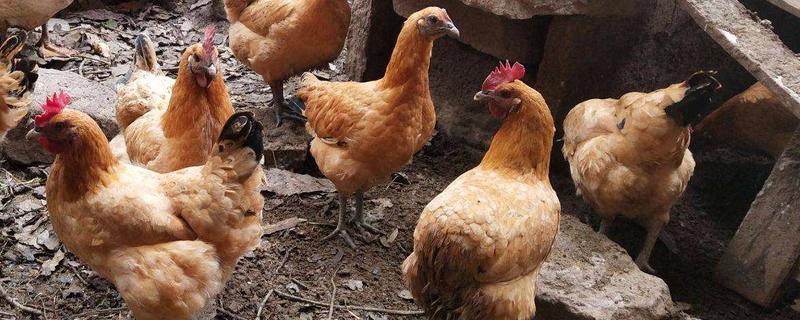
column 50, row 265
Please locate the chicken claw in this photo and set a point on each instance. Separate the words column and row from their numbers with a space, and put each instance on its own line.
column 357, row 221
column 48, row 50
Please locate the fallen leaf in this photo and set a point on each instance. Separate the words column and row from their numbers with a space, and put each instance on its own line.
column 283, row 225
column 287, row 183
column 50, row 265
column 389, row 239
column 355, row 285
column 292, row 287
column 405, row 295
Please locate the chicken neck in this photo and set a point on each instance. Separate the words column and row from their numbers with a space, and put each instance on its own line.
column 410, row 61
column 84, row 167
column 522, row 145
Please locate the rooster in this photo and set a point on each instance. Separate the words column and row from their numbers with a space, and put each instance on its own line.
column 479, row 245
column 630, row 155
column 183, row 133
column 168, row 242
column 364, row 132
column 17, row 79
column 281, row 38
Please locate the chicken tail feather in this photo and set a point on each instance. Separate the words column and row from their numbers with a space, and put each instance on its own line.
column 144, row 57
column 11, row 45
column 242, row 130
column 696, row 102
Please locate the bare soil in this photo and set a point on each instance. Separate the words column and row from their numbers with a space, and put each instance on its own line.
column 294, row 261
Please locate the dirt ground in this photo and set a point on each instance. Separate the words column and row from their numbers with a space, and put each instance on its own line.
column 38, row 272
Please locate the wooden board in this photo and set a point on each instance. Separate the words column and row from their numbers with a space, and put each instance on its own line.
column 790, row 6
column 752, row 44
column 764, row 252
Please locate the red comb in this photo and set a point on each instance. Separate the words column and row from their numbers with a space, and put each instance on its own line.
column 208, row 41
column 502, row 74
column 52, row 107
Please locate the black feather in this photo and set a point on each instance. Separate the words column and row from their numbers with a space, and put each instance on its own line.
column 696, row 102
column 243, row 127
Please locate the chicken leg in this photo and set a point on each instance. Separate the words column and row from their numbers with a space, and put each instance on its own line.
column 357, row 221
column 48, row 50
column 605, row 226
column 643, row 260
column 282, row 111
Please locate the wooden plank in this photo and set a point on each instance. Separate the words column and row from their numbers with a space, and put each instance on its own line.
column 752, row 44
column 764, row 252
column 790, row 6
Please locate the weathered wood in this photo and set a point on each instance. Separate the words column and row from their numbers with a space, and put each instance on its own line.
column 790, row 6
column 752, row 44
column 356, row 44
column 764, row 252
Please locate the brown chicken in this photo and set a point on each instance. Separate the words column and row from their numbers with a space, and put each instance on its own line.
column 168, row 242
column 754, row 119
column 281, row 38
column 182, row 134
column 29, row 14
column 629, row 156
column 364, row 132
column 478, row 245
column 17, row 79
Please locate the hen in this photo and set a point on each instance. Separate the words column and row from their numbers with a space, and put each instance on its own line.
column 754, row 119
column 281, row 38
column 629, row 156
column 183, row 133
column 29, row 14
column 168, row 242
column 479, row 245
column 17, row 79
column 364, row 132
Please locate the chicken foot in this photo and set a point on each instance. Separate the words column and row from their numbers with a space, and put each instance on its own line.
column 48, row 50
column 357, row 221
column 282, row 110
column 605, row 226
column 643, row 260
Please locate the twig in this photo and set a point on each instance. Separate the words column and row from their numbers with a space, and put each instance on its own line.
column 299, row 283
column 78, row 274
column 17, row 304
column 333, row 297
column 228, row 313
column 362, row 308
column 83, row 56
column 80, row 67
column 285, row 258
column 99, row 312
column 263, row 302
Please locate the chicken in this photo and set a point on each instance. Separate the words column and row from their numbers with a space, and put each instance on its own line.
column 28, row 14
column 629, row 156
column 17, row 79
column 364, row 132
column 479, row 245
column 168, row 242
column 281, row 38
column 182, row 134
column 754, row 119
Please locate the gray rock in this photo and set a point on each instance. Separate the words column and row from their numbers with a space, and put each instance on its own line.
column 524, row 9
column 588, row 276
column 94, row 99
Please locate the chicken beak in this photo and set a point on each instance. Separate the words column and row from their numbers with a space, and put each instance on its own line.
column 452, row 31
column 483, row 95
column 33, row 134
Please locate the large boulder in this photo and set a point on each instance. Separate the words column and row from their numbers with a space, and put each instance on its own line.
column 501, row 37
column 92, row 98
column 588, row 276
column 525, row 9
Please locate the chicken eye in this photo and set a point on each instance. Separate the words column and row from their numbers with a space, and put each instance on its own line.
column 505, row 94
column 433, row 19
